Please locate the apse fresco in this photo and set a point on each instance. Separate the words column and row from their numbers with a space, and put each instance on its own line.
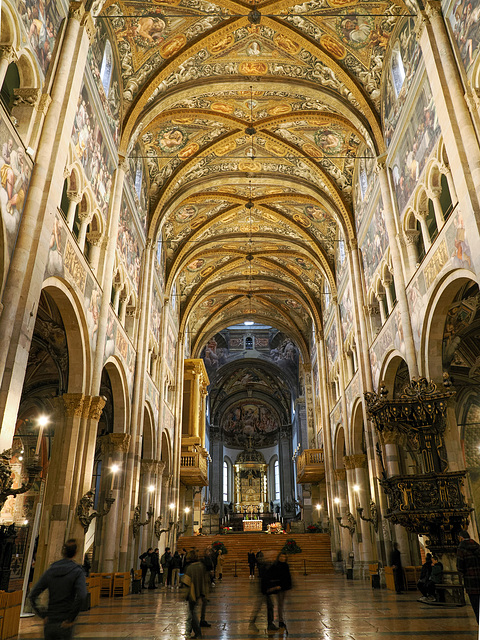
column 16, row 169
column 278, row 349
column 250, row 419
column 415, row 146
column 128, row 243
column 41, row 20
column 108, row 83
column 465, row 22
column 409, row 51
column 374, row 244
column 92, row 151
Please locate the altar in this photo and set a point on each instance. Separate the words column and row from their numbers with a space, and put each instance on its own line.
column 252, row 525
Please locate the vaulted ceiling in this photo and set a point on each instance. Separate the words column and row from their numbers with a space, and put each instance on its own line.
column 250, row 119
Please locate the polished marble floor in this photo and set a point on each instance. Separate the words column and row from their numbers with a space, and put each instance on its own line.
column 320, row 607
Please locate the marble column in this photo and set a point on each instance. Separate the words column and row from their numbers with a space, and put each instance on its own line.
column 411, row 239
column 7, row 56
column 114, row 449
column 61, row 470
column 74, row 200
column 398, row 275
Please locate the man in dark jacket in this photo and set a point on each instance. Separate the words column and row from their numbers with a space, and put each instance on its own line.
column 468, row 564
column 145, row 564
column 67, row 592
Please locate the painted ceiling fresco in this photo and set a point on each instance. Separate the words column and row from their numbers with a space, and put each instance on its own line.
column 251, row 121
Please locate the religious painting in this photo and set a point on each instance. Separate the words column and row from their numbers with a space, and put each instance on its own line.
column 41, row 19
column 250, row 419
column 315, row 213
column 341, row 258
column 170, row 348
column 15, row 171
column 137, row 180
column 92, row 151
column 172, row 139
column 398, row 76
column 415, row 146
column 364, row 185
column 195, row 265
column 332, row 344
column 464, row 20
column 416, row 305
column 186, row 213
column 458, row 244
column 355, row 28
column 374, row 244
column 56, row 248
column 215, row 353
column 128, row 244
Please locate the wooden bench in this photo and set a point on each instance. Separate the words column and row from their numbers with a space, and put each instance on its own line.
column 121, row 584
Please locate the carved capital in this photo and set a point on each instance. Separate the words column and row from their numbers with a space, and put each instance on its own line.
column 420, row 24
column 123, row 164
column 355, row 461
column 392, row 437
column 88, row 24
column 94, row 238
column 8, row 53
column 71, row 404
column 44, row 103
column 160, row 467
column 76, row 11
column 96, row 407
column 29, row 96
column 433, row 8
column 339, row 474
column 147, row 466
column 411, row 236
column 115, row 443
column 74, row 196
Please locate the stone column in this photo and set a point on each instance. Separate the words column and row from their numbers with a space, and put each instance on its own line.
column 422, row 218
column 137, row 408
column 390, row 223
column 85, row 219
column 7, row 56
column 114, row 449
column 287, row 489
column 27, row 267
column 109, row 263
column 434, row 195
column 61, row 470
column 74, row 200
column 357, row 463
column 411, row 240
column 340, row 509
column 95, row 239
column 381, row 306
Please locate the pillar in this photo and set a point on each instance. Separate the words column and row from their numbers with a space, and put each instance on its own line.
column 357, row 464
column 411, row 239
column 7, row 56
column 74, row 200
column 27, row 267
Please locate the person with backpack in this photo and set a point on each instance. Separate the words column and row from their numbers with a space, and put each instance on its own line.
column 468, row 564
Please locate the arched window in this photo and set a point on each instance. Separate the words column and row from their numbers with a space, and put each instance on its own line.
column 225, row 481
column 249, row 342
column 398, row 69
column 276, row 475
column 173, row 297
column 107, row 67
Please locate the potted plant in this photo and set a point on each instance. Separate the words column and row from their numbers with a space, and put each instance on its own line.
column 291, row 547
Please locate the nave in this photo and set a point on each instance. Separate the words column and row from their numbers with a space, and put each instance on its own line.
column 320, row 607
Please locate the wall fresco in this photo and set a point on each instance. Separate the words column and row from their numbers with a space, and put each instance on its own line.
column 250, row 419
column 92, row 151
column 41, row 21
column 465, row 22
column 15, row 172
column 411, row 56
column 346, row 311
column 415, row 146
column 156, row 315
column 374, row 244
column 128, row 243
column 332, row 344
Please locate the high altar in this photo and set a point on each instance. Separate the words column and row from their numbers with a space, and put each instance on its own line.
column 250, row 482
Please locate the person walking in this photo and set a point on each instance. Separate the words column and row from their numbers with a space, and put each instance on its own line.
column 195, row 579
column 252, row 561
column 396, row 563
column 67, row 592
column 166, row 561
column 468, row 564
column 264, row 562
column 220, row 559
column 279, row 582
